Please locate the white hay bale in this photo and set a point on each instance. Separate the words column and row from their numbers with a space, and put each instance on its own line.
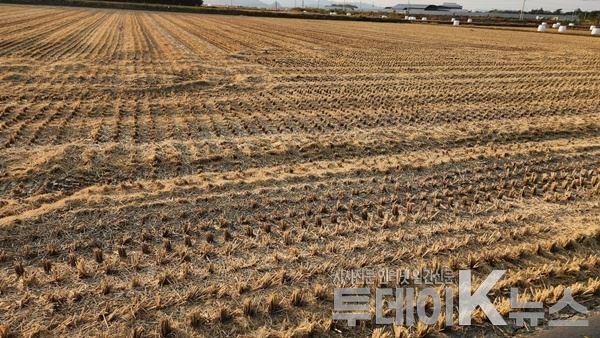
column 571, row 24
column 332, row 13
column 556, row 25
column 562, row 29
column 384, row 16
column 592, row 27
column 452, row 20
column 456, row 23
column 406, row 17
column 348, row 14
column 541, row 28
column 470, row 21
column 596, row 31
column 544, row 24
column 423, row 19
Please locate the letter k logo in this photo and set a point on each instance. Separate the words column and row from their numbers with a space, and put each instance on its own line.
column 467, row 302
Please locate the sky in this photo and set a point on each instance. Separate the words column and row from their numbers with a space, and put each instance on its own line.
column 566, row 5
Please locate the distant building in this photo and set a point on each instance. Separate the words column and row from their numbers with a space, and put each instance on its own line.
column 407, row 7
column 446, row 6
column 452, row 6
column 342, row 7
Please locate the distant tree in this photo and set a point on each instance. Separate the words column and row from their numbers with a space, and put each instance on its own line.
column 182, row 2
column 558, row 11
column 594, row 16
column 538, row 11
column 166, row 2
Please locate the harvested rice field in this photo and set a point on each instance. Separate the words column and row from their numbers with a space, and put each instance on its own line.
column 171, row 174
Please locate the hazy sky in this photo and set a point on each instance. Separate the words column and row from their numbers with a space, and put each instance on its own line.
column 508, row 4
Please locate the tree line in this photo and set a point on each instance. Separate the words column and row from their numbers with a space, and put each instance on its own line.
column 163, row 2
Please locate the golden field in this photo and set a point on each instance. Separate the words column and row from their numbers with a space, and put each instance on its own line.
column 195, row 175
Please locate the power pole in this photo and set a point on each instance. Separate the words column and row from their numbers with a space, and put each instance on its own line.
column 522, row 10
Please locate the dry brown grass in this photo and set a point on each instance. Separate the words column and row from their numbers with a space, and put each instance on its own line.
column 189, row 175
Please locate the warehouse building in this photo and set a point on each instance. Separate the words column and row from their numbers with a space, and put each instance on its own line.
column 445, row 7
